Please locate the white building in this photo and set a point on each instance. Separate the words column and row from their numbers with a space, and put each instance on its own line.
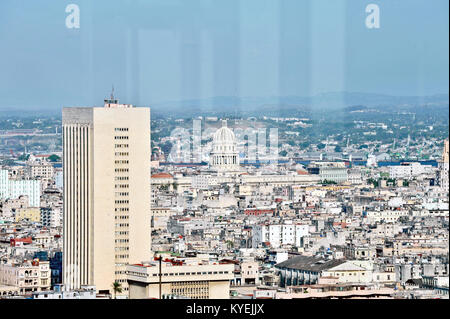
column 224, row 155
column 106, row 193
column 386, row 215
column 59, row 179
column 85, row 292
column 307, row 270
column 200, row 181
column 27, row 277
column 51, row 217
column 335, row 174
column 4, row 184
column 10, row 188
column 408, row 170
column 42, row 170
column 355, row 176
column 443, row 166
column 31, row 188
column 184, row 278
column 278, row 235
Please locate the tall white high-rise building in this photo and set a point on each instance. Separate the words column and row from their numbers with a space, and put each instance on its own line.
column 106, row 166
column 443, row 167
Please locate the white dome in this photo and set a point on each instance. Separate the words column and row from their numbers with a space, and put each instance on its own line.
column 224, row 135
column 224, row 156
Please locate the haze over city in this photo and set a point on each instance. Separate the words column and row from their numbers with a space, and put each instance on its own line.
column 161, row 51
column 235, row 150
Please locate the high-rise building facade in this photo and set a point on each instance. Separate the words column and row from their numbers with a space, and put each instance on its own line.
column 106, row 163
column 446, row 152
column 443, row 167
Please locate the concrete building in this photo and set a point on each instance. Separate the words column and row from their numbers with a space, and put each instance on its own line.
column 26, row 277
column 307, row 270
column 201, row 280
column 51, row 217
column 385, row 215
column 42, row 170
column 4, row 184
column 31, row 188
column 278, row 235
column 408, row 170
column 246, row 273
column 32, row 214
column 9, row 207
column 446, row 152
column 14, row 188
column 106, row 193
column 443, row 167
column 59, row 292
column 59, row 179
column 329, row 171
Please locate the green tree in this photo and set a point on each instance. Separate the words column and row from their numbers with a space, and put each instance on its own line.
column 24, row 157
column 117, row 288
column 372, row 181
column 54, row 158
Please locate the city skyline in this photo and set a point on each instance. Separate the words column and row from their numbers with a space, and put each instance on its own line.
column 240, row 150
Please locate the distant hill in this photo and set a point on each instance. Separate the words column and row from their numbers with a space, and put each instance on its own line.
column 271, row 106
column 355, row 108
column 267, row 105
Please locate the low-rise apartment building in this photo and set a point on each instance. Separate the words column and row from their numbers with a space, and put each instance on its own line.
column 192, row 280
column 27, row 277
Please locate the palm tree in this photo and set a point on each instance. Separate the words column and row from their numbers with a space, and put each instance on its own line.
column 117, row 288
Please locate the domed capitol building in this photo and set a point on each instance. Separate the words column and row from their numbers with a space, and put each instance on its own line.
column 224, row 168
column 224, row 155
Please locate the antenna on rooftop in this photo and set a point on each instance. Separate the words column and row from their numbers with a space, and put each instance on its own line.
column 112, row 99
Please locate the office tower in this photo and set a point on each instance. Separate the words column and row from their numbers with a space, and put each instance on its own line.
column 443, row 167
column 445, row 153
column 106, row 163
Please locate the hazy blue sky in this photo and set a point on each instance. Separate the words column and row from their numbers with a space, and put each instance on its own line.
column 169, row 50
